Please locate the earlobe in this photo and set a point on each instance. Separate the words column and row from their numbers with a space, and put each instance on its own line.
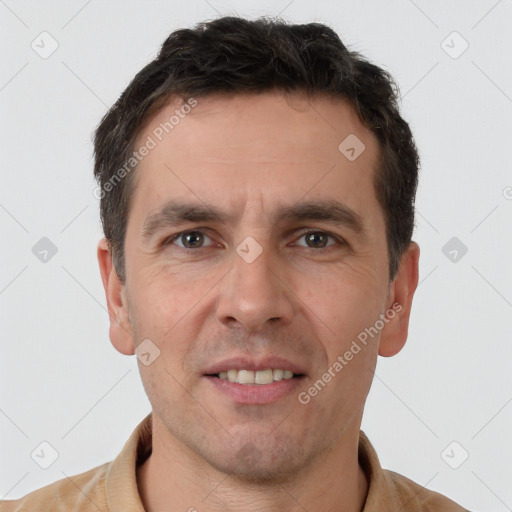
column 394, row 334
column 121, row 335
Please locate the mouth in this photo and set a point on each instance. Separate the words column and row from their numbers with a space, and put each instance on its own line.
column 256, row 377
column 247, row 382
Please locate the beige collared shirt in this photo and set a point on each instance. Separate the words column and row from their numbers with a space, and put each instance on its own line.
column 112, row 486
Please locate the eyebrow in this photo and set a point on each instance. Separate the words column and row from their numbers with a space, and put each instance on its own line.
column 177, row 212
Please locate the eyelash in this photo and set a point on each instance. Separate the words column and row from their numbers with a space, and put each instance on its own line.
column 305, row 231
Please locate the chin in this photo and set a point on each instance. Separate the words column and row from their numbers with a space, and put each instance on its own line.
column 261, row 475
column 261, row 472
column 256, row 460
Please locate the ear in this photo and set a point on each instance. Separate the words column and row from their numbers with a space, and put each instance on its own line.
column 394, row 334
column 121, row 335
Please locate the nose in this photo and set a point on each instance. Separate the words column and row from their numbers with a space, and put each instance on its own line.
column 255, row 294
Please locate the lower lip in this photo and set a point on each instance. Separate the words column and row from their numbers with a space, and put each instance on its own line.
column 255, row 394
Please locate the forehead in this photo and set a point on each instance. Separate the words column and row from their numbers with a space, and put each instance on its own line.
column 251, row 125
column 264, row 148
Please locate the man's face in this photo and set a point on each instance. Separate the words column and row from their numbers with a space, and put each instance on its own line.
column 255, row 290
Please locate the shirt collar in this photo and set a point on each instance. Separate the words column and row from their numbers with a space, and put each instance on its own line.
column 121, row 479
column 121, row 488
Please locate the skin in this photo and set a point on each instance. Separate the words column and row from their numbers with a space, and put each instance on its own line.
column 249, row 154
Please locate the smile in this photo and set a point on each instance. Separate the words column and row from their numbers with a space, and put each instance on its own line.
column 260, row 377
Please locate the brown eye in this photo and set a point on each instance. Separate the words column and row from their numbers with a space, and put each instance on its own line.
column 189, row 240
column 317, row 239
column 192, row 239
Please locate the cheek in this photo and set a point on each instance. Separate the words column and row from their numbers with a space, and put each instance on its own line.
column 160, row 299
column 346, row 303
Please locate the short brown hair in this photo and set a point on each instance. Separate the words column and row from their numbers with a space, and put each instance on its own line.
column 235, row 55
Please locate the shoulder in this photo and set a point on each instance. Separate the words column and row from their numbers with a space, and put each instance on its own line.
column 416, row 498
column 82, row 492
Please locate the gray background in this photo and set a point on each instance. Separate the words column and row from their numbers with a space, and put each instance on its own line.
column 62, row 381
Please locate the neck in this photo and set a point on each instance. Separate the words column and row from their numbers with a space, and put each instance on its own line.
column 173, row 479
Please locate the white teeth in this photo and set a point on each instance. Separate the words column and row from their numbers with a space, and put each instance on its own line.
column 246, row 377
column 232, row 375
column 278, row 374
column 256, row 377
column 263, row 377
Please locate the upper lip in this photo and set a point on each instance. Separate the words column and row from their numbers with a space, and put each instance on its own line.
column 246, row 363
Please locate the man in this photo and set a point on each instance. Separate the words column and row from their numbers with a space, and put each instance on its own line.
column 257, row 189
